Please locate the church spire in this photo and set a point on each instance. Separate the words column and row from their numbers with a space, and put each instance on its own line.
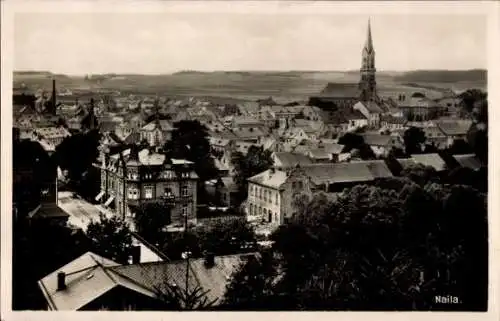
column 367, row 83
column 369, row 42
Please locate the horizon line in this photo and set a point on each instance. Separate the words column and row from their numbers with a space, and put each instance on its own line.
column 239, row 71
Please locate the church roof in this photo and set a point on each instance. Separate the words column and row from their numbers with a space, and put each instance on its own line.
column 340, row 90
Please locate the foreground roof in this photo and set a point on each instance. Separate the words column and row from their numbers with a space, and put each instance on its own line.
column 90, row 276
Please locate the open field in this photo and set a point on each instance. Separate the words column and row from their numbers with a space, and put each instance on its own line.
column 286, row 86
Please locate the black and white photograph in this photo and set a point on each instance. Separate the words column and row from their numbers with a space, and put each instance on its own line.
column 280, row 158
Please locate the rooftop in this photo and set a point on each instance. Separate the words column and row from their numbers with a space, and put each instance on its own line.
column 340, row 90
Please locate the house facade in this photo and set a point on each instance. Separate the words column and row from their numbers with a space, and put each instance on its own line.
column 132, row 178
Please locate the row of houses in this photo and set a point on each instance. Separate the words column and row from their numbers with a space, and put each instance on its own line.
column 271, row 193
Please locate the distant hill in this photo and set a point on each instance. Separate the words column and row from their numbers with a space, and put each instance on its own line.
column 443, row 76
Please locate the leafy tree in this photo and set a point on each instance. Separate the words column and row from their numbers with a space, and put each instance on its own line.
column 420, row 174
column 470, row 97
column 390, row 247
column 254, row 162
column 353, row 141
column 111, row 238
column 76, row 154
column 413, row 138
column 151, row 218
column 227, row 237
column 189, row 141
column 251, row 286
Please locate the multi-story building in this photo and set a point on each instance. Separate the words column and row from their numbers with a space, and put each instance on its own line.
column 132, row 178
column 272, row 194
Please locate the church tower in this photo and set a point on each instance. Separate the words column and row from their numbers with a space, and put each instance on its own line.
column 367, row 83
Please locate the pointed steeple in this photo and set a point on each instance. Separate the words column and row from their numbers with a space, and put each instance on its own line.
column 369, row 42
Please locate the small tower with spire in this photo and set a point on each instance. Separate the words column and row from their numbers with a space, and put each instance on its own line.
column 367, row 83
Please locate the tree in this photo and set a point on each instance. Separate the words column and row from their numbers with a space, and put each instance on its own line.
column 390, row 247
column 111, row 238
column 189, row 141
column 151, row 218
column 251, row 286
column 470, row 97
column 254, row 162
column 460, row 146
column 413, row 138
column 420, row 174
column 76, row 154
column 353, row 141
column 227, row 237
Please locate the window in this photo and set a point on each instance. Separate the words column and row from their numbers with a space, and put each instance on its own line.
column 184, row 190
column 168, row 174
column 265, row 195
column 185, row 175
column 251, row 209
column 148, row 192
column 167, row 191
column 133, row 193
column 260, row 193
column 300, row 185
column 276, row 200
column 276, row 217
column 184, row 210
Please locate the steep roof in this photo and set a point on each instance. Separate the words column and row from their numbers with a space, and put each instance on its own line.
column 87, row 278
column 288, row 159
column 371, row 106
column 48, row 211
column 271, row 178
column 340, row 90
column 468, row 161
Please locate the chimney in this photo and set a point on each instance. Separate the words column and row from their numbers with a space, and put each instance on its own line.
column 209, row 260
column 61, row 281
column 136, row 254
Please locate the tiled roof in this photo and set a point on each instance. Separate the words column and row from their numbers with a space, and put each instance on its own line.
column 377, row 140
column 245, row 133
column 318, row 153
column 155, row 275
column 433, row 160
column 291, row 159
column 332, row 148
column 361, row 171
column 48, row 211
column 164, row 125
column 340, row 90
column 87, row 278
column 371, row 106
column 451, row 128
column 468, row 161
column 271, row 178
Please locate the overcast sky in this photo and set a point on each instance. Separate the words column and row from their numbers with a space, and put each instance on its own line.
column 79, row 43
